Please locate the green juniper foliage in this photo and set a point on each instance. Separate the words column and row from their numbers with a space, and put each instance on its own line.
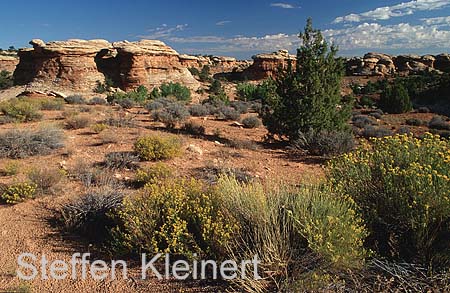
column 308, row 97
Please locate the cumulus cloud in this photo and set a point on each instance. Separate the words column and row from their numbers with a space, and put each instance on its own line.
column 283, row 5
column 443, row 20
column 163, row 31
column 387, row 12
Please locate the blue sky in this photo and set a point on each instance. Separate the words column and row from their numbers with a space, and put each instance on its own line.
column 235, row 28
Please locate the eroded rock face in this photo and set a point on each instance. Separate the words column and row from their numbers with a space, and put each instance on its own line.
column 80, row 64
column 217, row 64
column 68, row 63
column 266, row 65
column 8, row 61
column 150, row 63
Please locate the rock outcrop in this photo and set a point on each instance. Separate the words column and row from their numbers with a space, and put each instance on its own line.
column 377, row 64
column 68, row 63
column 8, row 61
column 150, row 63
column 81, row 64
column 266, row 65
column 217, row 64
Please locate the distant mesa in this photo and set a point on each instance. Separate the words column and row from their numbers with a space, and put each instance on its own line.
column 80, row 64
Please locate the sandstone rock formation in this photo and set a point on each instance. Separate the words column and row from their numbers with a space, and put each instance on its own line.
column 150, row 63
column 217, row 64
column 8, row 61
column 68, row 63
column 80, row 64
column 266, row 65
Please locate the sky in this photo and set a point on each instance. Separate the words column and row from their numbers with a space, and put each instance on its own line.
column 238, row 28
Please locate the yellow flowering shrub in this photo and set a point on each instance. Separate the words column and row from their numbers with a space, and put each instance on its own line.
column 152, row 148
column 401, row 185
column 173, row 216
column 18, row 192
column 153, row 174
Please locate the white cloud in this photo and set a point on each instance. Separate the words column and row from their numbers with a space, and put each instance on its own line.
column 223, row 22
column 163, row 31
column 443, row 20
column 283, row 5
column 387, row 12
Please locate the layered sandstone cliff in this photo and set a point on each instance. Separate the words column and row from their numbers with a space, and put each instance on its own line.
column 81, row 64
column 150, row 63
column 267, row 65
column 8, row 61
column 217, row 64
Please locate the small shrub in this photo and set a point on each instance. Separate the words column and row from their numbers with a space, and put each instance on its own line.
column 228, row 113
column 376, row 115
column 177, row 90
column 251, row 122
column 108, row 136
column 77, row 122
column 395, row 99
column 10, row 168
column 240, row 106
column 75, row 100
column 181, row 217
column 439, row 123
column 126, row 103
column 376, row 132
column 103, row 87
column 247, row 91
column 153, row 174
column 151, row 148
column 52, row 104
column 404, row 130
column 171, row 115
column 21, row 110
column 325, row 142
column 46, row 180
column 88, row 215
column 99, row 127
column 367, row 101
column 240, row 144
column 362, row 121
column 194, row 128
column 17, row 144
column 6, row 80
column 158, row 103
column 18, row 193
column 198, row 110
column 401, row 187
column 121, row 160
column 415, row 122
column 97, row 101
column 424, row 110
column 120, row 120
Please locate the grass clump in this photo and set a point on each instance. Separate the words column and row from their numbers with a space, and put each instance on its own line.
column 153, row 148
column 78, row 122
column 17, row 144
column 401, row 186
column 194, row 128
column 75, row 100
column 99, row 127
column 46, row 180
column 325, row 142
column 171, row 115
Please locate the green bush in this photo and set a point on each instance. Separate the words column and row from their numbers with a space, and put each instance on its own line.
column 177, row 90
column 21, row 110
column 309, row 95
column 415, row 122
column 395, row 99
column 152, row 148
column 289, row 227
column 181, row 217
column 401, row 186
column 51, row 104
column 247, row 91
column 18, row 192
column 6, row 80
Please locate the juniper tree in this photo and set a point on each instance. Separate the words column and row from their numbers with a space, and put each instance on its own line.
column 307, row 95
